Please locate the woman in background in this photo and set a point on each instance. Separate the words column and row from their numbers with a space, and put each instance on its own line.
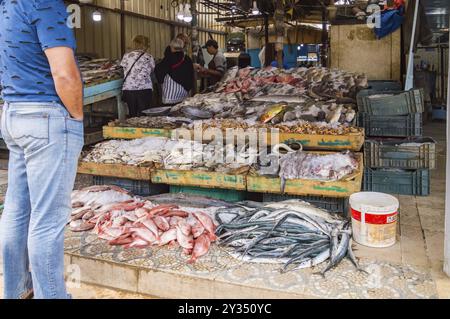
column 175, row 73
column 138, row 66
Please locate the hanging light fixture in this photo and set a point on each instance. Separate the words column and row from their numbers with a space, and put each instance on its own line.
column 255, row 9
column 97, row 16
column 233, row 9
column 180, row 14
column 187, row 14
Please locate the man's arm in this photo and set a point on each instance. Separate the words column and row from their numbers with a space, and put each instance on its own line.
column 67, row 79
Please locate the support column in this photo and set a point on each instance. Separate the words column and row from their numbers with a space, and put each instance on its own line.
column 123, row 47
column 279, row 30
column 194, row 41
column 194, row 30
column 266, row 41
column 324, row 50
column 447, row 193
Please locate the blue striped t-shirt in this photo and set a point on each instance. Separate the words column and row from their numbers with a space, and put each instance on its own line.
column 27, row 29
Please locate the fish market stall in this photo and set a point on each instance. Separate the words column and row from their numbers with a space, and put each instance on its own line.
column 164, row 161
column 293, row 234
column 311, row 136
column 315, row 107
column 103, row 81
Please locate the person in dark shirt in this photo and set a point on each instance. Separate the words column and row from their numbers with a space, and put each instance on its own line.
column 175, row 73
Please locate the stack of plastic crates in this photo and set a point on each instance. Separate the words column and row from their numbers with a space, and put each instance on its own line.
column 397, row 158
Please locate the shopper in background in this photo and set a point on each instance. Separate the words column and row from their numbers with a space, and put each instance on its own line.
column 138, row 66
column 186, row 41
column 275, row 61
column 216, row 68
column 175, row 73
column 42, row 125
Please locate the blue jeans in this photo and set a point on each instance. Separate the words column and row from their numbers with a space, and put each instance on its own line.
column 44, row 144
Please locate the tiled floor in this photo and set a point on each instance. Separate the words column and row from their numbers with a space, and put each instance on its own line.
column 410, row 269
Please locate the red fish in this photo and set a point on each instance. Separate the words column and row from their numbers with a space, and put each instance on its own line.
column 208, row 223
column 168, row 236
column 178, row 213
column 144, row 234
column 161, row 208
column 197, row 230
column 186, row 242
column 162, row 223
column 201, row 248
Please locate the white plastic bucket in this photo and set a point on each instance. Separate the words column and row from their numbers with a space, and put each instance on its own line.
column 374, row 218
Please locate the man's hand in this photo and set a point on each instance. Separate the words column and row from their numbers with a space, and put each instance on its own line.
column 67, row 78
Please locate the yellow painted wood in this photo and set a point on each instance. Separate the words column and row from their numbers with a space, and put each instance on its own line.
column 133, row 132
column 342, row 188
column 199, row 179
column 115, row 170
column 353, row 141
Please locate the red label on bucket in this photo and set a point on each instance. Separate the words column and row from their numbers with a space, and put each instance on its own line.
column 376, row 219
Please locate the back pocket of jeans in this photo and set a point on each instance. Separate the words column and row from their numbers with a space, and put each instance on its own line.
column 30, row 130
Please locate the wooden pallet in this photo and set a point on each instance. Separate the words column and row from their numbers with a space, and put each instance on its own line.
column 199, row 179
column 115, row 170
column 342, row 188
column 110, row 132
column 353, row 141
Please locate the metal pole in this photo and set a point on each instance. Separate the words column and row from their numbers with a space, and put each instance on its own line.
column 266, row 40
column 409, row 84
column 279, row 27
column 122, row 27
column 194, row 36
column 194, row 39
column 324, row 38
column 447, row 193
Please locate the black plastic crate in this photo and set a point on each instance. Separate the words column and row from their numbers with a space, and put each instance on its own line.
column 391, row 102
column 139, row 188
column 332, row 205
column 391, row 126
column 411, row 153
column 384, row 85
column 397, row 182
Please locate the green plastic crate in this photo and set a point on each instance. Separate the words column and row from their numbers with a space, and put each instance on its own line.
column 419, row 153
column 391, row 102
column 401, row 182
column 384, row 85
column 228, row 195
column 391, row 126
column 332, row 205
column 138, row 188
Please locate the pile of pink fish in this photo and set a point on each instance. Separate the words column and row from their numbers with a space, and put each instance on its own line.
column 136, row 223
column 246, row 82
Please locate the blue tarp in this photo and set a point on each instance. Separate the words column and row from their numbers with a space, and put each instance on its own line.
column 391, row 20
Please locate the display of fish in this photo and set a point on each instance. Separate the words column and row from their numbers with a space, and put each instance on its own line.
column 178, row 154
column 313, row 166
column 157, row 122
column 139, row 223
column 96, row 71
column 293, row 233
column 306, row 90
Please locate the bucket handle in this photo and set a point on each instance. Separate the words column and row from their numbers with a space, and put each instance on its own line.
column 365, row 209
